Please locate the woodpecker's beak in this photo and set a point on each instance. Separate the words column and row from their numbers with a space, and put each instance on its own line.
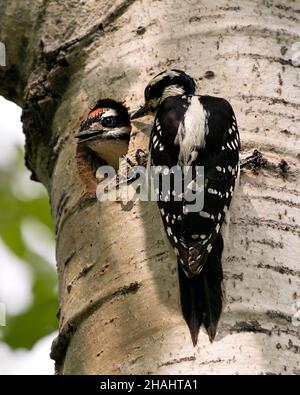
column 87, row 135
column 144, row 110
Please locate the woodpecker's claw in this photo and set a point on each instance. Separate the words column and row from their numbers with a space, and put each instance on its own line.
column 141, row 157
column 256, row 160
column 125, row 175
column 129, row 161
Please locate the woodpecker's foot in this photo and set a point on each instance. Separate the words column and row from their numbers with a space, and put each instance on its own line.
column 129, row 161
column 141, row 157
column 256, row 160
column 125, row 175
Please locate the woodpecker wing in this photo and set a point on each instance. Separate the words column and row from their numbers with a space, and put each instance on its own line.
column 164, row 156
column 197, row 131
column 220, row 158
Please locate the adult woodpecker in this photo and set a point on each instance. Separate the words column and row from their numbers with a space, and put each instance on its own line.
column 106, row 131
column 192, row 130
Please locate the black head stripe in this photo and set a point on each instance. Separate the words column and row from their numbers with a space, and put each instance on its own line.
column 156, row 89
column 119, row 107
column 122, row 116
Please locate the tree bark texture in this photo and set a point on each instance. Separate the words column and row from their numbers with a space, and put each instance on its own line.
column 119, row 302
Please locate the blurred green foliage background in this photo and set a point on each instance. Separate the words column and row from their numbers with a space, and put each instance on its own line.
column 17, row 206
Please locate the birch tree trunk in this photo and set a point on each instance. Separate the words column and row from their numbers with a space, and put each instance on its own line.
column 119, row 304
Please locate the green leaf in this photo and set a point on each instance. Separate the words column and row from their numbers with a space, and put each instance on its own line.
column 25, row 329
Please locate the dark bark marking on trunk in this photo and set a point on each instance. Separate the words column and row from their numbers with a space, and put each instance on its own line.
column 180, row 360
column 256, row 56
column 279, row 315
column 269, row 100
column 293, row 347
column 250, row 326
column 280, row 269
column 285, row 8
column 69, row 258
column 83, row 272
column 254, row 221
column 60, row 344
column 270, row 243
column 272, row 114
column 85, row 201
column 206, row 17
column 62, row 202
column 43, row 92
column 265, row 32
column 234, row 276
column 284, row 190
column 272, row 199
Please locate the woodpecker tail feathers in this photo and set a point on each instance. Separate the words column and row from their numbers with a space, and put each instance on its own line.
column 201, row 296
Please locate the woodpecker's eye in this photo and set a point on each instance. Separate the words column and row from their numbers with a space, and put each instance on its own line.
column 110, row 122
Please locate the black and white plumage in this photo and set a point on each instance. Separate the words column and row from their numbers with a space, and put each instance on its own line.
column 106, row 131
column 192, row 130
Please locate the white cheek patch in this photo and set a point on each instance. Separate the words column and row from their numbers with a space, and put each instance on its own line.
column 116, row 132
column 109, row 113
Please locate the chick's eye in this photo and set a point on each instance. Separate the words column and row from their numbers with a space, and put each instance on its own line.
column 110, row 122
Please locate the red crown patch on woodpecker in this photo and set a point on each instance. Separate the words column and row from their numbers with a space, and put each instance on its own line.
column 96, row 112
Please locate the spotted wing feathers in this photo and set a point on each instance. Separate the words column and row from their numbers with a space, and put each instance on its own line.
column 213, row 144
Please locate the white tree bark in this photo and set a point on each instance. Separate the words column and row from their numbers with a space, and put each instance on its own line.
column 118, row 287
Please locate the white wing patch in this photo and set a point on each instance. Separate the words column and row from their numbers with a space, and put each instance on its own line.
column 192, row 130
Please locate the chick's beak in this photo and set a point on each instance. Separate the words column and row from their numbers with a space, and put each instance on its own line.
column 144, row 110
column 88, row 135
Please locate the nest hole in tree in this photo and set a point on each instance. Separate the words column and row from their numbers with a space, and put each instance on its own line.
column 88, row 161
column 87, row 164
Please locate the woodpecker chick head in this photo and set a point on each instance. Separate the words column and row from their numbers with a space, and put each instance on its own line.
column 165, row 84
column 106, row 131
